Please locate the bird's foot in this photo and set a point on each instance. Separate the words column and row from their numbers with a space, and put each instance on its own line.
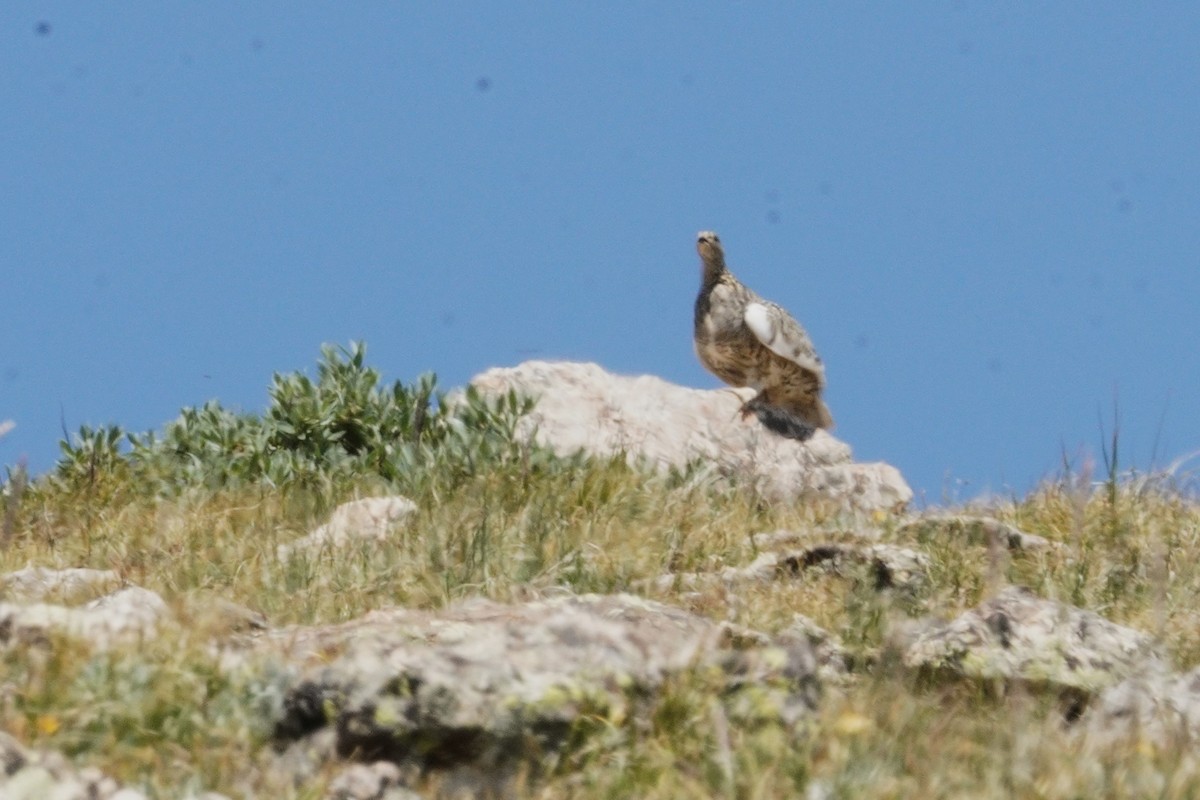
column 752, row 407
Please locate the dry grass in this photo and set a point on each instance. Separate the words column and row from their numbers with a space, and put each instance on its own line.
column 166, row 718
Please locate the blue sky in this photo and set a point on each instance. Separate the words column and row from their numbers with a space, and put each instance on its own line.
column 985, row 214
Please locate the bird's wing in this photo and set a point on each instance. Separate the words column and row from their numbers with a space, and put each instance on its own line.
column 783, row 336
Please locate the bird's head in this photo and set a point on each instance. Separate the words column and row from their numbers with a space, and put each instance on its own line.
column 708, row 245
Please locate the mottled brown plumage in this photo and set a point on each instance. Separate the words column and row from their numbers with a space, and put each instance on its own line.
column 747, row 341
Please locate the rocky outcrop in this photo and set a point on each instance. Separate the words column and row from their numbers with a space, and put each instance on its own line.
column 1155, row 705
column 581, row 407
column 382, row 780
column 890, row 567
column 488, row 689
column 27, row 774
column 1021, row 637
column 371, row 519
column 487, row 684
column 127, row 616
column 483, row 691
column 833, row 663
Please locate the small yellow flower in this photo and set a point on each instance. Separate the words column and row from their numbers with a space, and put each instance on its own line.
column 48, row 724
column 851, row 724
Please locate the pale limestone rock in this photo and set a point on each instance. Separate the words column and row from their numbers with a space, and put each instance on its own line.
column 581, row 407
column 29, row 774
column 1153, row 704
column 372, row 519
column 1019, row 636
column 382, row 780
column 34, row 584
column 130, row 611
column 68, row 789
column 764, row 568
column 892, row 567
column 99, row 784
column 127, row 616
column 479, row 682
column 31, row 783
column 833, row 663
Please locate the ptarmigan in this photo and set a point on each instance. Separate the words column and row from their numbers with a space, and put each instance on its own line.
column 747, row 341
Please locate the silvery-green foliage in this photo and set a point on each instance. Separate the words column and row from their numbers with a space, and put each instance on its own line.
column 91, row 456
column 345, row 425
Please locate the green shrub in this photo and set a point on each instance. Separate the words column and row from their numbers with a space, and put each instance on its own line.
column 344, row 427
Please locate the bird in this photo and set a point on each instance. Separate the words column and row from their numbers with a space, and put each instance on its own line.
column 747, row 341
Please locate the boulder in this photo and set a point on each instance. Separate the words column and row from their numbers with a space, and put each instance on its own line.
column 29, row 774
column 127, row 616
column 1021, row 637
column 581, row 407
column 382, row 780
column 370, row 519
column 833, row 662
column 484, row 684
column 1155, row 705
column 891, row 567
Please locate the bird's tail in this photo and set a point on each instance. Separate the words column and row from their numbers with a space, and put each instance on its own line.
column 824, row 418
column 789, row 424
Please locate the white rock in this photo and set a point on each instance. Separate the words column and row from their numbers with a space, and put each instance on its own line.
column 364, row 781
column 31, row 783
column 468, row 683
column 1153, row 704
column 1019, row 636
column 68, row 789
column 583, row 407
column 127, row 794
column 373, row 519
column 29, row 774
column 132, row 609
column 893, row 567
column 126, row 616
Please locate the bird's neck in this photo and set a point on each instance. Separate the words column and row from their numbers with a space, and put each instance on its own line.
column 711, row 273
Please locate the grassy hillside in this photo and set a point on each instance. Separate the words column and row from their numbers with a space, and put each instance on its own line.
column 196, row 511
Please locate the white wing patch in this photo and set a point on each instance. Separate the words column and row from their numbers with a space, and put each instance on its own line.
column 758, row 320
column 764, row 323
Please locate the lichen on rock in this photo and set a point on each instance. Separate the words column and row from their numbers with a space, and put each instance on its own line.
column 490, row 683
